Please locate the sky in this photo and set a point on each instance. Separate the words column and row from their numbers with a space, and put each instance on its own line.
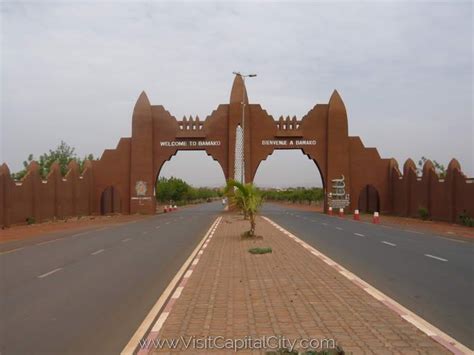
column 73, row 70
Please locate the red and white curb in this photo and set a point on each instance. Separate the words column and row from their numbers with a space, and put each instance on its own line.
column 436, row 334
column 165, row 303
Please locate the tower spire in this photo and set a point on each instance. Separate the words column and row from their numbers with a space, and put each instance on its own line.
column 239, row 92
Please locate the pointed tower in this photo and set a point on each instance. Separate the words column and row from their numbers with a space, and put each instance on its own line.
column 239, row 91
column 142, row 175
column 337, row 159
column 239, row 144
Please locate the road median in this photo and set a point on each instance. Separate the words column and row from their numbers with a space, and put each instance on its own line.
column 289, row 296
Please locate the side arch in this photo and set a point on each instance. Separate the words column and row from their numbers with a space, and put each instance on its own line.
column 110, row 201
column 369, row 199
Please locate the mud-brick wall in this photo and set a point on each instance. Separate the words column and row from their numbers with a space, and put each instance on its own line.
column 41, row 200
column 444, row 198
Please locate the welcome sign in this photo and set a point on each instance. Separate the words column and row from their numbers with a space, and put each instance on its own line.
column 288, row 142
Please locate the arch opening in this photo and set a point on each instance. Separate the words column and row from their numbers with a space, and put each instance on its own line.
column 188, row 177
column 369, row 200
column 288, row 175
column 110, row 201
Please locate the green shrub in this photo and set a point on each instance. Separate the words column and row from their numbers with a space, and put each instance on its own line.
column 423, row 213
column 30, row 220
column 466, row 220
column 260, row 250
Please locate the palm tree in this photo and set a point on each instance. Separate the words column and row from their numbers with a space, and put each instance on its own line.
column 247, row 199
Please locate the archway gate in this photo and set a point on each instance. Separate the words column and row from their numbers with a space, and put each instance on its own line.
column 322, row 135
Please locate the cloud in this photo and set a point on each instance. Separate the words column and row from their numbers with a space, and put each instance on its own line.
column 73, row 70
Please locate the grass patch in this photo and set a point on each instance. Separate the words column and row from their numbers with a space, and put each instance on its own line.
column 260, row 250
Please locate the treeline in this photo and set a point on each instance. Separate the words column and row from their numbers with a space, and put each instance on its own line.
column 63, row 154
column 178, row 191
column 295, row 195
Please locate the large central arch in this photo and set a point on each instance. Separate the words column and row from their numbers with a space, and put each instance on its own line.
column 322, row 135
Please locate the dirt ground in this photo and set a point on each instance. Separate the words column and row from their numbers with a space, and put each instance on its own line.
column 443, row 228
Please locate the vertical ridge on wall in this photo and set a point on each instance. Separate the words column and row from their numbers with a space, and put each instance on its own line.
column 444, row 198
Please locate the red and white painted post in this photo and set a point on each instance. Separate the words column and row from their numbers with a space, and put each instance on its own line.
column 330, row 210
column 376, row 218
column 341, row 212
column 356, row 215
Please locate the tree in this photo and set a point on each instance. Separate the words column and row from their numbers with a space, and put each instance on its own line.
column 248, row 199
column 440, row 169
column 179, row 191
column 63, row 154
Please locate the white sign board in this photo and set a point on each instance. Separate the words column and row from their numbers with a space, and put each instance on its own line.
column 288, row 142
column 188, row 144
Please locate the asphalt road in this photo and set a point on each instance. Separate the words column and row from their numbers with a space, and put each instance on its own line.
column 87, row 292
column 431, row 275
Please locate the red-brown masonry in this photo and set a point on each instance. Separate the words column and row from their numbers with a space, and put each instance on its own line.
column 128, row 172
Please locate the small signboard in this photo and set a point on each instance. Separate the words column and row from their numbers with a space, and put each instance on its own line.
column 338, row 198
column 140, row 188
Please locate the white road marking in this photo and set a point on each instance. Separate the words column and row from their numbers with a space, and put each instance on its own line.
column 50, row 272
column 374, row 293
column 324, row 224
column 347, row 274
column 178, row 291
column 411, row 231
column 161, row 320
column 451, row 239
column 78, row 234
column 339, row 228
column 388, row 243
column 435, row 257
column 126, row 240
column 167, row 223
column 97, row 252
column 49, row 241
column 157, row 227
column 11, row 251
column 359, row 235
column 427, row 330
column 145, row 232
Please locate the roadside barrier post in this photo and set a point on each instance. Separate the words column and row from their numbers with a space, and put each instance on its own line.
column 330, row 211
column 341, row 212
column 356, row 215
column 376, row 219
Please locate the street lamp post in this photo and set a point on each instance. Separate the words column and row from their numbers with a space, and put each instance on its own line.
column 242, row 167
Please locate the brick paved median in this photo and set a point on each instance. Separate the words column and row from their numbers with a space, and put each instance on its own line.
column 289, row 293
